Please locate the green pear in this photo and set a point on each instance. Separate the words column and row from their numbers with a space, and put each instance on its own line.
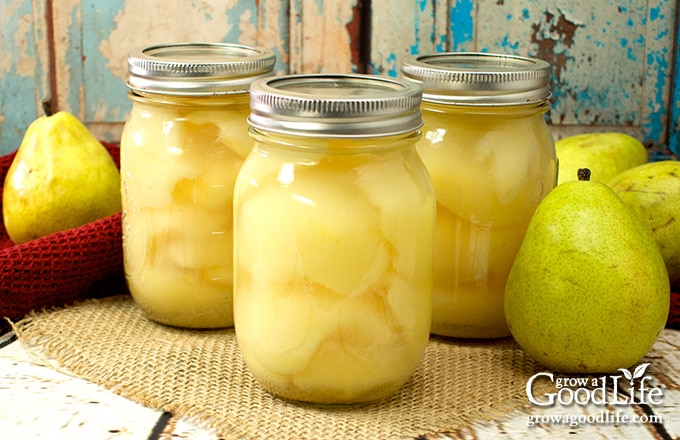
column 653, row 191
column 61, row 177
column 588, row 291
column 604, row 154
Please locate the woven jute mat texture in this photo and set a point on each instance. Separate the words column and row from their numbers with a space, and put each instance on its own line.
column 201, row 375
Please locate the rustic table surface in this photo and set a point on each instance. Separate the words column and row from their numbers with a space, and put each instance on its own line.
column 39, row 402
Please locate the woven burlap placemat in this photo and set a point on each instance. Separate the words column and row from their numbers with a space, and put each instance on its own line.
column 201, row 375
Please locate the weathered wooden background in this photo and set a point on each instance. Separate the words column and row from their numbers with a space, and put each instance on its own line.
column 613, row 60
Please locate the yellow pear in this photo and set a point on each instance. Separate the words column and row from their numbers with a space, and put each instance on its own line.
column 588, row 291
column 604, row 154
column 61, row 177
column 653, row 191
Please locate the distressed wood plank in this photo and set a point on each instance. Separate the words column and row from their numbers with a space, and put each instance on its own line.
column 37, row 400
column 67, row 47
column 272, row 30
column 657, row 81
column 463, row 19
column 396, row 35
column 595, row 50
column 610, row 59
column 613, row 60
column 612, row 63
column 24, row 68
column 322, row 33
column 98, row 36
column 674, row 123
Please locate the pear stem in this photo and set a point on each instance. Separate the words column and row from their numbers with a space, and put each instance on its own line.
column 47, row 107
column 583, row 174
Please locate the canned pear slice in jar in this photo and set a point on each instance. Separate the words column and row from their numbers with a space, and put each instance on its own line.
column 491, row 158
column 181, row 150
column 333, row 240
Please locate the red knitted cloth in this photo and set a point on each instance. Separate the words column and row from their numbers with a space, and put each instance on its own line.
column 674, row 315
column 63, row 267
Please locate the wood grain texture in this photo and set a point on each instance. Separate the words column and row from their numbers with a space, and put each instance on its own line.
column 24, row 68
column 613, row 61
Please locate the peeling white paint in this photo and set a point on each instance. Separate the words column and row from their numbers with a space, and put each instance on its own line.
column 325, row 41
column 26, row 65
column 6, row 54
column 153, row 22
column 395, row 34
column 271, row 28
column 247, row 31
column 616, row 73
column 62, row 25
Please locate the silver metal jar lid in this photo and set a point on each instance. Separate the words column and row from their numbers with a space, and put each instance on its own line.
column 335, row 105
column 476, row 78
column 197, row 68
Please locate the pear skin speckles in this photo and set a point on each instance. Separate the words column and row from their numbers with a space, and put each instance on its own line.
column 588, row 291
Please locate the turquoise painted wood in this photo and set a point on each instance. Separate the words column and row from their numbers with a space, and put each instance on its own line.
column 92, row 40
column 79, row 60
column 674, row 124
column 613, row 61
column 24, row 68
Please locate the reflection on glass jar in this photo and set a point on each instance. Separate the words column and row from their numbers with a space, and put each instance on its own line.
column 491, row 158
column 333, row 236
column 181, row 150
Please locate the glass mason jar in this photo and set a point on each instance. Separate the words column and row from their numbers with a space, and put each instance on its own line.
column 492, row 159
column 181, row 148
column 333, row 238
